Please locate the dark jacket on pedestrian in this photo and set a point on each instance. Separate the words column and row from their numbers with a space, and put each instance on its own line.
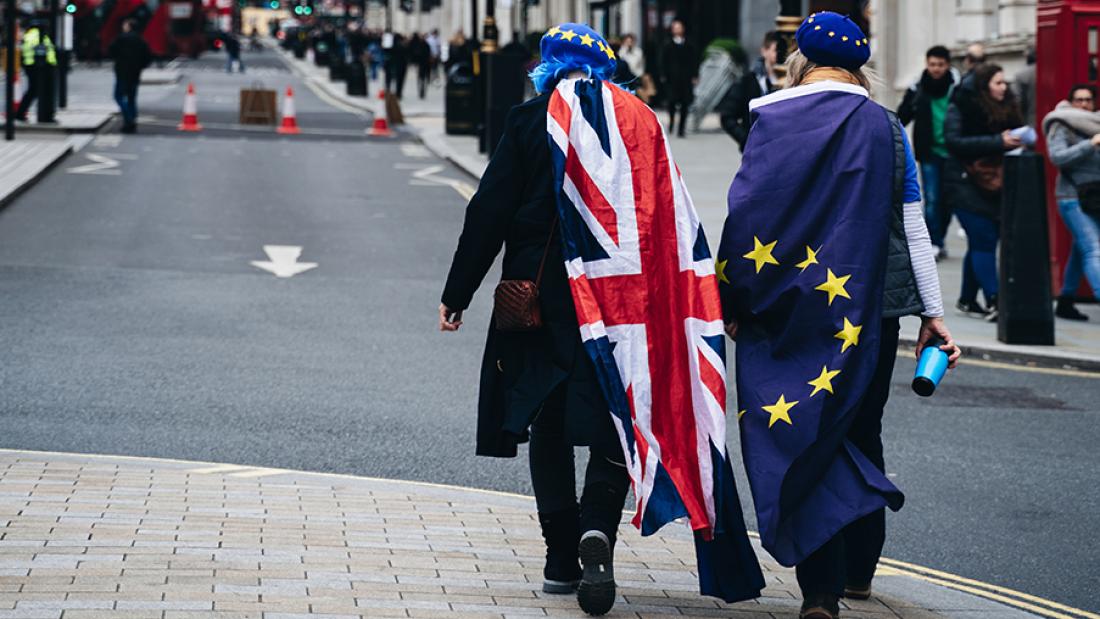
column 970, row 136
column 233, row 46
column 679, row 68
column 515, row 207
column 916, row 107
column 131, row 55
column 733, row 110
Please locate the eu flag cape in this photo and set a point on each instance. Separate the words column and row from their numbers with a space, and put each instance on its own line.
column 802, row 267
column 644, row 287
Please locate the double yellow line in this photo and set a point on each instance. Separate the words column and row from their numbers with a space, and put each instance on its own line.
column 1004, row 595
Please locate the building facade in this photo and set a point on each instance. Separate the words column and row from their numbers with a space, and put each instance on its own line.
column 904, row 29
column 901, row 29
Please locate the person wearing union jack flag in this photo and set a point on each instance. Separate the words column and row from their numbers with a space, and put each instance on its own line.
column 819, row 259
column 625, row 353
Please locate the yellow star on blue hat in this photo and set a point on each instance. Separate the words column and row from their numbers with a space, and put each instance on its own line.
column 833, row 40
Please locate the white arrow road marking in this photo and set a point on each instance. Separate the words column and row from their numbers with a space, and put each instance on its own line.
column 101, row 164
column 429, row 175
column 283, row 261
column 415, row 151
column 107, row 141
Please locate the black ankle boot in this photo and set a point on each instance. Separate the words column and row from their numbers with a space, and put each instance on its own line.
column 601, row 510
column 1066, row 309
column 562, row 533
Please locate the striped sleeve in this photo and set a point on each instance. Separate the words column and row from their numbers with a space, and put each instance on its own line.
column 922, row 254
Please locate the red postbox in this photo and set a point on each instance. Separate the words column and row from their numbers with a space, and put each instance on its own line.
column 1068, row 52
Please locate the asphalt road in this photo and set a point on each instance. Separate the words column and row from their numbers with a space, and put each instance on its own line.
column 134, row 323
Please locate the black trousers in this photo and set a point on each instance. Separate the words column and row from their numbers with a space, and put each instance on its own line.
column 31, row 72
column 852, row 556
column 553, row 472
column 683, row 105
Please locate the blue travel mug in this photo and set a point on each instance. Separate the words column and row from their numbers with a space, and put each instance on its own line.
column 931, row 368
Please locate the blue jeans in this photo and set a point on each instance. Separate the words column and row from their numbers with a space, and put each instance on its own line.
column 935, row 217
column 126, row 97
column 980, row 264
column 1084, row 256
column 229, row 60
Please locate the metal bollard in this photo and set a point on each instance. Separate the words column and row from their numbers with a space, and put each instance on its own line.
column 1025, row 303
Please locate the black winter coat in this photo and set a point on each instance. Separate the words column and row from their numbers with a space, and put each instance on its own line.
column 733, row 110
column 131, row 55
column 917, row 106
column 679, row 68
column 515, row 207
column 969, row 137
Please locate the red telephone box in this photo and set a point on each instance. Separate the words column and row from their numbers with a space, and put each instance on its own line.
column 1068, row 52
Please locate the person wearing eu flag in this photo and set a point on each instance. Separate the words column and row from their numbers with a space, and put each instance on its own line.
column 824, row 249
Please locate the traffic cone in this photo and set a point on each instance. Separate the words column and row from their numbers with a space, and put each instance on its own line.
column 290, row 116
column 190, row 111
column 381, row 126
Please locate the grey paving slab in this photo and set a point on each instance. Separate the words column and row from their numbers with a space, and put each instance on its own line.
column 272, row 574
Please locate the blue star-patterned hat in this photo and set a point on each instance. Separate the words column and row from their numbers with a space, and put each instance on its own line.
column 833, row 40
column 577, row 46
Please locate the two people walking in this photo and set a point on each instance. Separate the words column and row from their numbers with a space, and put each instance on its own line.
column 609, row 321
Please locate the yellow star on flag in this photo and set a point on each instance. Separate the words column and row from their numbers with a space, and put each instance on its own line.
column 607, row 50
column 551, row 32
column 740, row 414
column 720, row 271
column 834, row 286
column 811, row 258
column 568, row 35
column 761, row 254
column 587, row 40
column 825, row 381
column 780, row 411
column 849, row 335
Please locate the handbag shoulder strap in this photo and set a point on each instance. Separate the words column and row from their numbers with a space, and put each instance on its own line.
column 546, row 252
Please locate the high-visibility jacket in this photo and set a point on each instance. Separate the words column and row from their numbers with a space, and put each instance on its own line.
column 31, row 39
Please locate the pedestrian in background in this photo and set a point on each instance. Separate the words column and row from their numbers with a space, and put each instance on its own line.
column 541, row 385
column 630, row 54
column 396, row 63
column 420, row 54
column 36, row 45
column 1024, row 87
column 1073, row 140
column 232, row 52
column 435, row 47
column 131, row 55
column 925, row 104
column 757, row 82
column 978, row 132
column 679, row 75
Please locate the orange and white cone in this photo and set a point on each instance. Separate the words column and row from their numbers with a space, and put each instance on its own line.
column 190, row 111
column 381, row 126
column 290, row 116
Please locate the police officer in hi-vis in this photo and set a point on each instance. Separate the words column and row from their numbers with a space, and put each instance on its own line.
column 36, row 44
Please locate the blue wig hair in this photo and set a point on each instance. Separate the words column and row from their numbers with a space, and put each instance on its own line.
column 569, row 47
column 548, row 73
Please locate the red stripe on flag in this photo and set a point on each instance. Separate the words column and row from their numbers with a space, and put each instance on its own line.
column 560, row 112
column 712, row 379
column 593, row 198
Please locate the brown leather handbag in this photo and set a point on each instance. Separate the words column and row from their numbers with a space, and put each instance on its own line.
column 516, row 301
column 987, row 174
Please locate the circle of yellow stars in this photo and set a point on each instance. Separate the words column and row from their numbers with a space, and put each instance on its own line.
column 584, row 39
column 762, row 255
column 832, row 34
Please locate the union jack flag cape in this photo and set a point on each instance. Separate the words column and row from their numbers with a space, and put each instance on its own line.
column 643, row 283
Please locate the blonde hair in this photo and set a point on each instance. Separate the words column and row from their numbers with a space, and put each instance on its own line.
column 799, row 68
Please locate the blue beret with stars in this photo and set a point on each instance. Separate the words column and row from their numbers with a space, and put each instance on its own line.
column 577, row 45
column 833, row 40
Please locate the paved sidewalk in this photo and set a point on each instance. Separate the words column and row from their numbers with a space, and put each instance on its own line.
column 24, row 160
column 90, row 537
